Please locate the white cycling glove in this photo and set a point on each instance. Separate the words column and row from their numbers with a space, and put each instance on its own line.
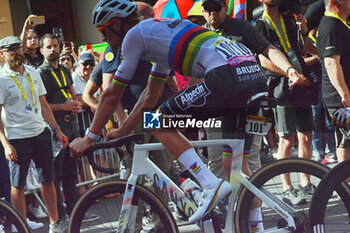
column 343, row 115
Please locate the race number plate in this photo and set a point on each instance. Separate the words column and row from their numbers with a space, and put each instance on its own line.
column 257, row 125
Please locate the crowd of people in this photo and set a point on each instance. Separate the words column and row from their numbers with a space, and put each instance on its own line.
column 45, row 84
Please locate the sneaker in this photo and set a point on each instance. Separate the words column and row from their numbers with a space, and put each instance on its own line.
column 324, row 161
column 150, row 224
column 292, row 197
column 33, row 225
column 273, row 153
column 307, row 191
column 210, row 198
column 331, row 158
column 90, row 217
column 37, row 212
column 58, row 227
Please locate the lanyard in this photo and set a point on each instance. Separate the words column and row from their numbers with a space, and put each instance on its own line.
column 327, row 13
column 312, row 38
column 278, row 32
column 60, row 85
column 21, row 89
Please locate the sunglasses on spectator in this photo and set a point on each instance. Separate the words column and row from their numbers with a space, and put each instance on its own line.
column 12, row 49
column 212, row 8
column 65, row 59
column 88, row 63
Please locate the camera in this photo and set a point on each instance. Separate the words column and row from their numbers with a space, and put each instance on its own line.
column 293, row 6
column 67, row 44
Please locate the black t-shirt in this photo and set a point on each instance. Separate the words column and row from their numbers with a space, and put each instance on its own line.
column 333, row 39
column 243, row 32
column 54, row 94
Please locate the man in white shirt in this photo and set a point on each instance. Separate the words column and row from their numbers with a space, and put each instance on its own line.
column 23, row 131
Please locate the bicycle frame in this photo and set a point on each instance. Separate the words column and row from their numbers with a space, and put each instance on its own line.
column 142, row 165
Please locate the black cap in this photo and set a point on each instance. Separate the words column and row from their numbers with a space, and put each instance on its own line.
column 223, row 2
column 8, row 41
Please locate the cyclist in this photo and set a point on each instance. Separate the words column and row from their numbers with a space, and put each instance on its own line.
column 231, row 73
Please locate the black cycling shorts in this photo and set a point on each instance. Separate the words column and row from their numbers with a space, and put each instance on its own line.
column 225, row 89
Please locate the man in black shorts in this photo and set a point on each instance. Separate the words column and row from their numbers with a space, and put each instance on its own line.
column 23, row 128
column 334, row 50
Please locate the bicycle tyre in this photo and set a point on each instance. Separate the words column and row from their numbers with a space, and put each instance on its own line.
column 333, row 181
column 99, row 191
column 264, row 175
column 13, row 217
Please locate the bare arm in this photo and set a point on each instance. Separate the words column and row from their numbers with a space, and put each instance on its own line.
column 336, row 76
column 147, row 100
column 88, row 95
column 49, row 118
column 275, row 61
column 10, row 151
column 23, row 36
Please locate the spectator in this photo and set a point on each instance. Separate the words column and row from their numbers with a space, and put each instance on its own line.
column 334, row 50
column 215, row 13
column 293, row 113
column 64, row 104
column 82, row 74
column 67, row 60
column 27, row 137
column 30, row 43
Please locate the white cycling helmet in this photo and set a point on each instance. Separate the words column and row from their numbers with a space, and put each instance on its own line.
column 106, row 10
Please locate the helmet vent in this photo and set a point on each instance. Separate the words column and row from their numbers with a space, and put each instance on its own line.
column 123, row 6
column 114, row 4
column 101, row 16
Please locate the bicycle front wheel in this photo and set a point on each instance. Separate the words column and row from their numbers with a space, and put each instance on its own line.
column 268, row 179
column 105, row 200
column 329, row 211
column 11, row 219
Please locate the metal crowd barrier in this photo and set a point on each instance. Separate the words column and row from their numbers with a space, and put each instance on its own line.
column 86, row 175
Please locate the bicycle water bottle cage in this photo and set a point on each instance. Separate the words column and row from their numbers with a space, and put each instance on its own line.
column 262, row 99
column 126, row 141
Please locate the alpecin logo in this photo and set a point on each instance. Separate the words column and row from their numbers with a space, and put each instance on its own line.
column 195, row 168
column 151, row 120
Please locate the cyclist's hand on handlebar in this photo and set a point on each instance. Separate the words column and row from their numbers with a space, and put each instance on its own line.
column 78, row 146
column 341, row 118
column 114, row 133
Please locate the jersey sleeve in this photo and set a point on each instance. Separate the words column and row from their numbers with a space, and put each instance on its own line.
column 2, row 94
column 330, row 43
column 132, row 49
column 159, row 73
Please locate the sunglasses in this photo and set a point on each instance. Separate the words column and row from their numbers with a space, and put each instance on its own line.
column 65, row 59
column 213, row 8
column 12, row 49
column 88, row 63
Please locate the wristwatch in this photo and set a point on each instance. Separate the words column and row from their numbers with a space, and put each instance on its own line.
column 92, row 136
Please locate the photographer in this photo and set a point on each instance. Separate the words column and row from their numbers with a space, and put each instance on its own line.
column 30, row 43
column 293, row 113
column 334, row 50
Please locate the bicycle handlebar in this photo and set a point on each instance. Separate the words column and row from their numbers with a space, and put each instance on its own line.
column 126, row 140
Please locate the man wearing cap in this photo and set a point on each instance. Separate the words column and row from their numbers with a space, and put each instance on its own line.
column 23, row 131
column 64, row 104
column 82, row 74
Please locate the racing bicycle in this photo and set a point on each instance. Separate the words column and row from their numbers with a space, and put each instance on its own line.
column 11, row 218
